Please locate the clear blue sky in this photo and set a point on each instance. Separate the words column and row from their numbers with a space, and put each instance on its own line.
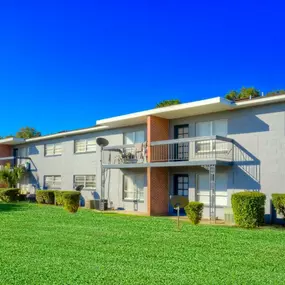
column 65, row 64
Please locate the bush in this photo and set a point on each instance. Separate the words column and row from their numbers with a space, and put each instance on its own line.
column 278, row 201
column 45, row 196
column 71, row 200
column 58, row 197
column 9, row 194
column 248, row 209
column 194, row 211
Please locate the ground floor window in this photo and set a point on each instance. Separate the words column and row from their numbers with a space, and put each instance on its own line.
column 134, row 187
column 203, row 192
column 52, row 182
column 88, row 181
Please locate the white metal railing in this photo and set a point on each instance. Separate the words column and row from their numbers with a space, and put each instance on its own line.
column 125, row 154
column 186, row 149
column 190, row 149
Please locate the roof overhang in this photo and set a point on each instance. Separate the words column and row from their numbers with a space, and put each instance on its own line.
column 213, row 105
column 68, row 133
column 12, row 141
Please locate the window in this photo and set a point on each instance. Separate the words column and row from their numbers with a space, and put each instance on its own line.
column 212, row 128
column 134, row 187
column 88, row 145
column 89, row 181
column 52, row 182
column 203, row 192
column 134, row 137
column 23, row 152
column 53, row 149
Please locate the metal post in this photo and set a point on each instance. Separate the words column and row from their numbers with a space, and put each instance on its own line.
column 212, row 180
column 178, row 212
column 102, row 180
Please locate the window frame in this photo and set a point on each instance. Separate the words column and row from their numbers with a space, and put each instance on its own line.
column 212, row 144
column 135, row 191
column 85, row 145
column 197, row 194
column 84, row 183
column 134, row 137
column 53, row 149
column 53, row 176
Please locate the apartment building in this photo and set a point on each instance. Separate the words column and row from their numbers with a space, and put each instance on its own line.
column 205, row 150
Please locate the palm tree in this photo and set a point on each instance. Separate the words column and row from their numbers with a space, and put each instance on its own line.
column 11, row 176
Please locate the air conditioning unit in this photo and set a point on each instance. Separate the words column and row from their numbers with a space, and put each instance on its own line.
column 229, row 216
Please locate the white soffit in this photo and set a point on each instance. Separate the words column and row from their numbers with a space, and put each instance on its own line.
column 213, row 105
column 12, row 141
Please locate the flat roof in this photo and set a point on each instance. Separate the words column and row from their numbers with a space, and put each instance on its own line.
column 12, row 141
column 200, row 107
column 216, row 104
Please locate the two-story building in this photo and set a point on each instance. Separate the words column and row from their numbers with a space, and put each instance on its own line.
column 204, row 150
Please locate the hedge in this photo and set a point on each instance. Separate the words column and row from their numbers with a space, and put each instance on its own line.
column 194, row 211
column 71, row 200
column 45, row 196
column 9, row 194
column 278, row 201
column 58, row 197
column 248, row 208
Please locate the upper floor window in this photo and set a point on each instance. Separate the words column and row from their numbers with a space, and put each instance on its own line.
column 212, row 128
column 53, row 149
column 52, row 182
column 88, row 181
column 87, row 145
column 134, row 137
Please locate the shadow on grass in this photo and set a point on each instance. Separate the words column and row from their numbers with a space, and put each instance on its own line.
column 7, row 207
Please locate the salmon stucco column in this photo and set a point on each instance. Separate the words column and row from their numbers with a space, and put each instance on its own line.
column 5, row 151
column 157, row 177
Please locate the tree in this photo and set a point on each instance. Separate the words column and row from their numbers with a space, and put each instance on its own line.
column 277, row 92
column 166, row 103
column 245, row 93
column 11, row 176
column 232, row 95
column 250, row 92
column 27, row 132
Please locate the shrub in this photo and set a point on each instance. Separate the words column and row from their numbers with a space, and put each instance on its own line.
column 194, row 211
column 58, row 197
column 248, row 208
column 9, row 194
column 45, row 196
column 278, row 201
column 71, row 200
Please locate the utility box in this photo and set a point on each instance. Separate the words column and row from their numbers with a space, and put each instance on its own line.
column 101, row 205
column 229, row 216
column 90, row 204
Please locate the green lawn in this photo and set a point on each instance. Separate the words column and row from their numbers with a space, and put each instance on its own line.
column 46, row 245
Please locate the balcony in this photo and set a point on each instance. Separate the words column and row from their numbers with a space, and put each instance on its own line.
column 215, row 150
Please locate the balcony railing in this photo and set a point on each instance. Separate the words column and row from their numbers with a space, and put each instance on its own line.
column 125, row 154
column 170, row 151
column 192, row 149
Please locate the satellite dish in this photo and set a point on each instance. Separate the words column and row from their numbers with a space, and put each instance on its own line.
column 102, row 142
column 79, row 187
column 177, row 203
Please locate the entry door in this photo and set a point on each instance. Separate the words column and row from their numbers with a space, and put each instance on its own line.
column 181, row 184
column 181, row 188
column 181, row 149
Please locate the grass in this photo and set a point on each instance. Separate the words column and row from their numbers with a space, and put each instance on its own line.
column 46, row 245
